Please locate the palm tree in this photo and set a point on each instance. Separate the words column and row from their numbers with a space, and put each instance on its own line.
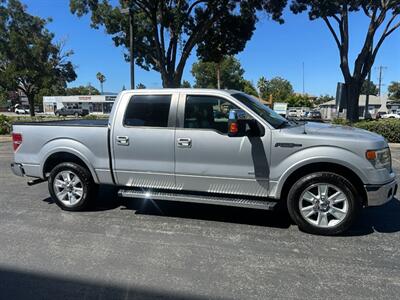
column 262, row 85
column 101, row 78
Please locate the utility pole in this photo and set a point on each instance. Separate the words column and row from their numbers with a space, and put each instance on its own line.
column 304, row 89
column 380, row 84
column 130, row 12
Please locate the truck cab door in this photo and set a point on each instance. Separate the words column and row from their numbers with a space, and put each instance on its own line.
column 208, row 160
column 143, row 140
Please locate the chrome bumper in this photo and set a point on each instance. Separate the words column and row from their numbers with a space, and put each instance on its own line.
column 381, row 194
column 17, row 169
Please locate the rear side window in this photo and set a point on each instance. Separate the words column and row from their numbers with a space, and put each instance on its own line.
column 148, row 110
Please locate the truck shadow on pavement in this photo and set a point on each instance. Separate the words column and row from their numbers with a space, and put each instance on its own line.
column 382, row 219
column 21, row 284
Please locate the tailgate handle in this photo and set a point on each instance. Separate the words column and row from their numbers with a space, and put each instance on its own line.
column 184, row 143
column 123, row 140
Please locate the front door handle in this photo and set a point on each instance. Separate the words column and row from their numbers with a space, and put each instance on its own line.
column 123, row 140
column 185, row 143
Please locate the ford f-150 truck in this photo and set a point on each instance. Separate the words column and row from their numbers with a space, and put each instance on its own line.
column 210, row 146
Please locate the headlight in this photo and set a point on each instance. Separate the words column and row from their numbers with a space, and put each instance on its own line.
column 381, row 159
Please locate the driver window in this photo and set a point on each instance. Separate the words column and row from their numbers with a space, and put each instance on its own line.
column 207, row 112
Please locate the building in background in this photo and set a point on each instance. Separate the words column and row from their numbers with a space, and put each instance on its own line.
column 375, row 104
column 96, row 104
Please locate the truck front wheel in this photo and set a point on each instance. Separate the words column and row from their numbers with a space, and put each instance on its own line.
column 71, row 186
column 323, row 203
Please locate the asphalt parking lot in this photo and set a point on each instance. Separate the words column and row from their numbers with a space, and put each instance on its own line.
column 126, row 248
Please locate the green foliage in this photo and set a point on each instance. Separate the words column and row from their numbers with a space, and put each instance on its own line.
column 394, row 90
column 249, row 88
column 388, row 128
column 81, row 90
column 140, row 86
column 166, row 32
column 299, row 101
column 341, row 121
column 186, row 84
column 29, row 60
column 369, row 87
column 280, row 89
column 205, row 74
column 5, row 125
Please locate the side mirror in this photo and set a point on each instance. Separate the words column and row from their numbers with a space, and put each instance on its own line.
column 237, row 123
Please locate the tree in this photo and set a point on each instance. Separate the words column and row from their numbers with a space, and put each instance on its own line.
column 249, row 88
column 166, row 32
column 262, row 87
column 29, row 60
column 294, row 100
column 101, row 78
column 369, row 88
column 231, row 74
column 140, row 86
column 394, row 90
column 228, row 36
column 81, row 91
column 279, row 88
column 186, row 84
column 335, row 14
column 323, row 99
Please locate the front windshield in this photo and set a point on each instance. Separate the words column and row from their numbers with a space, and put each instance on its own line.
column 276, row 120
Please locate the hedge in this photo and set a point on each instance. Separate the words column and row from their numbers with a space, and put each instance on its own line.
column 388, row 128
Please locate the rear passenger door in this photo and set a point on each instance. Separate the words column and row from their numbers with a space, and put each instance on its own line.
column 208, row 160
column 144, row 141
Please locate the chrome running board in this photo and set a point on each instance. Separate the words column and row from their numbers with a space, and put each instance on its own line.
column 192, row 198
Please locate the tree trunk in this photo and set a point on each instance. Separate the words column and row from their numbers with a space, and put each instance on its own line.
column 171, row 80
column 353, row 89
column 31, row 101
column 219, row 75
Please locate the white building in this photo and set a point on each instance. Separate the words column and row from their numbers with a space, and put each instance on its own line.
column 97, row 104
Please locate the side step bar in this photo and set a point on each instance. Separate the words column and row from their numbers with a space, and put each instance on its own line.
column 227, row 201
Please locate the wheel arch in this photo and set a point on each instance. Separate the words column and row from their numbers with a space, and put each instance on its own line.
column 58, row 157
column 325, row 167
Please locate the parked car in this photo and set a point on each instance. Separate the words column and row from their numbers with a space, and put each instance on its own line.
column 71, row 111
column 314, row 115
column 292, row 113
column 168, row 145
column 391, row 116
column 380, row 114
column 21, row 110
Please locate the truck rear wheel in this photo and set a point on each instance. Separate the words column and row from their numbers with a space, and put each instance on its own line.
column 323, row 203
column 71, row 186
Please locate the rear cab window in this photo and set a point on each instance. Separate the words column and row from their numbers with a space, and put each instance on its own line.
column 148, row 111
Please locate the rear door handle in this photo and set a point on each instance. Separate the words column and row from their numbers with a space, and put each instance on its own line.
column 123, row 140
column 184, row 143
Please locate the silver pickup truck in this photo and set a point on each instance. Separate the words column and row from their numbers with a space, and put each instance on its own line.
column 210, row 146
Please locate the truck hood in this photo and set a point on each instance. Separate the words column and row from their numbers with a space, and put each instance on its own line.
column 338, row 131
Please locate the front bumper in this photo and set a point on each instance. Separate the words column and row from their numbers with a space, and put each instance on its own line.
column 17, row 169
column 381, row 194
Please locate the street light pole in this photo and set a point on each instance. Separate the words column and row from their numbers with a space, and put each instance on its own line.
column 130, row 12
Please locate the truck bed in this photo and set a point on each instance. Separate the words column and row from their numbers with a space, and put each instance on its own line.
column 74, row 122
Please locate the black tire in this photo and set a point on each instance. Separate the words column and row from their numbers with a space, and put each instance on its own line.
column 331, row 179
column 89, row 188
column 58, row 115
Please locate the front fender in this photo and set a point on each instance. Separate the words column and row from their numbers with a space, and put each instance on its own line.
column 70, row 146
column 335, row 155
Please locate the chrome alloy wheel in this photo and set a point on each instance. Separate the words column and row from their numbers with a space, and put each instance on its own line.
column 323, row 205
column 68, row 188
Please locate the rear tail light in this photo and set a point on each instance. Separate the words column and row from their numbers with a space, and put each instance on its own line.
column 17, row 140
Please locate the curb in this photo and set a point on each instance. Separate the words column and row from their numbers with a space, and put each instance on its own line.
column 5, row 138
column 394, row 145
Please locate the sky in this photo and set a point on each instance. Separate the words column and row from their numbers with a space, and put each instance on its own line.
column 274, row 50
